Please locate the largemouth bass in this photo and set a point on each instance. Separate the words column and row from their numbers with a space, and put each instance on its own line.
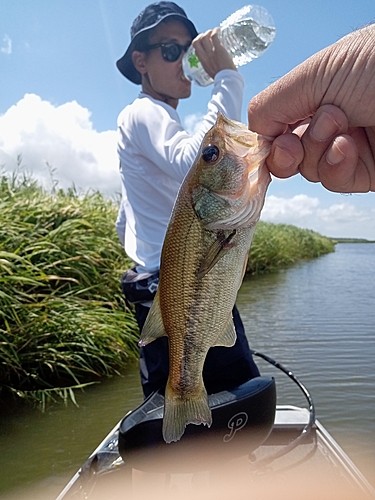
column 203, row 261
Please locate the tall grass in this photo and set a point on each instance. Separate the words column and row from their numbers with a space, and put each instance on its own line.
column 280, row 245
column 63, row 320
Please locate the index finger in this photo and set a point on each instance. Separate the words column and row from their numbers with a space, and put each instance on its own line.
column 280, row 105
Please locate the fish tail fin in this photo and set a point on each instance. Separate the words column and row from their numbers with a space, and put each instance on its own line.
column 179, row 412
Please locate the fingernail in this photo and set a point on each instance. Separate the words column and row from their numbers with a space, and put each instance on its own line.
column 334, row 154
column 282, row 158
column 324, row 127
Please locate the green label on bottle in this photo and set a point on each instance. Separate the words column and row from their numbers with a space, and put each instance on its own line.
column 193, row 61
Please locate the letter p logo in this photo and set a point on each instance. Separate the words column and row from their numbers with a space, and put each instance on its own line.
column 236, row 423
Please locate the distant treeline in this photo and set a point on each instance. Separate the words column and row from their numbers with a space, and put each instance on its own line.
column 63, row 320
column 352, row 240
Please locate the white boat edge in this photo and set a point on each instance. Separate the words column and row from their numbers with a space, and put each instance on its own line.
column 287, row 417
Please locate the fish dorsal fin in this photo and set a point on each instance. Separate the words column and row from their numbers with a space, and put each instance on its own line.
column 228, row 336
column 217, row 250
column 153, row 327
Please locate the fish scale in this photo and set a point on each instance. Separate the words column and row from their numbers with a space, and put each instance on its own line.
column 203, row 260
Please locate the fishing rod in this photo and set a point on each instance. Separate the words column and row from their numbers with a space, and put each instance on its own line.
column 311, row 408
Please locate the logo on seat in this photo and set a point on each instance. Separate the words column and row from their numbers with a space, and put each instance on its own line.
column 236, row 423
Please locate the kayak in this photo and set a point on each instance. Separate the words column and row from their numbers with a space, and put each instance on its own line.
column 252, row 443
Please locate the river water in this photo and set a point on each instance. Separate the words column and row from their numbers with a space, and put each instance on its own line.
column 316, row 318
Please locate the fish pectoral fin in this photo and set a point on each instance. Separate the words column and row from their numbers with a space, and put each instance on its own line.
column 153, row 327
column 221, row 245
column 228, row 336
column 180, row 411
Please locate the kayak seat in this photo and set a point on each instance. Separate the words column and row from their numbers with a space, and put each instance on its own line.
column 242, row 419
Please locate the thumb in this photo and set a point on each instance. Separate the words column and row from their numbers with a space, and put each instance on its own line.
column 284, row 103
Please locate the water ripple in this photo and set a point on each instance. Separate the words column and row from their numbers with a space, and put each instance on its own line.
column 318, row 319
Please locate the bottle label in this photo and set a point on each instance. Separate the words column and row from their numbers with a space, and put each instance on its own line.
column 193, row 69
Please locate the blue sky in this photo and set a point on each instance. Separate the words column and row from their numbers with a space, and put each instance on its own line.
column 60, row 93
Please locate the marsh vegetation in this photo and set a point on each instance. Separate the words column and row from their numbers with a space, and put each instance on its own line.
column 63, row 320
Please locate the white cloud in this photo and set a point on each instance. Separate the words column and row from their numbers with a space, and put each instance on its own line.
column 193, row 122
column 343, row 219
column 62, row 137
column 296, row 208
column 341, row 212
column 6, row 48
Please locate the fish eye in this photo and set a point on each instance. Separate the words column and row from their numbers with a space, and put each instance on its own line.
column 210, row 154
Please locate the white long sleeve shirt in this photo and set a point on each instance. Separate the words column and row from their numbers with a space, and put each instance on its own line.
column 155, row 154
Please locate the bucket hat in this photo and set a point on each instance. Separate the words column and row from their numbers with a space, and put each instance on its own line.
column 149, row 18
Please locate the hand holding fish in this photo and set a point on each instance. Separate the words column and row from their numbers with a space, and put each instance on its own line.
column 203, row 262
column 322, row 115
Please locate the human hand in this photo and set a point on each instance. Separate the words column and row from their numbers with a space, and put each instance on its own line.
column 322, row 116
column 213, row 56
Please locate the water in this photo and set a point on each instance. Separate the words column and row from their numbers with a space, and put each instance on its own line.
column 40, row 452
column 245, row 34
column 246, row 40
column 316, row 318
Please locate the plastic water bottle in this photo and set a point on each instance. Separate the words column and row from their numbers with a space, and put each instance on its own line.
column 245, row 34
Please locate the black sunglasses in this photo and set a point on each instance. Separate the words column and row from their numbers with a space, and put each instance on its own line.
column 170, row 51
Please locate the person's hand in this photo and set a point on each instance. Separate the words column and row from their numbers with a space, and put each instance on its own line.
column 321, row 116
column 213, row 56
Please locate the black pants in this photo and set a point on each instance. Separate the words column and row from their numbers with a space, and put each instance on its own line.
column 224, row 368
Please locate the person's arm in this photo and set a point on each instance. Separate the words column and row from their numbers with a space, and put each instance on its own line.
column 160, row 135
column 213, row 56
column 121, row 221
column 156, row 128
column 321, row 116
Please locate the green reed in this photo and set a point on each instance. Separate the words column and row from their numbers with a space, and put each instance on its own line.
column 276, row 246
column 63, row 320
